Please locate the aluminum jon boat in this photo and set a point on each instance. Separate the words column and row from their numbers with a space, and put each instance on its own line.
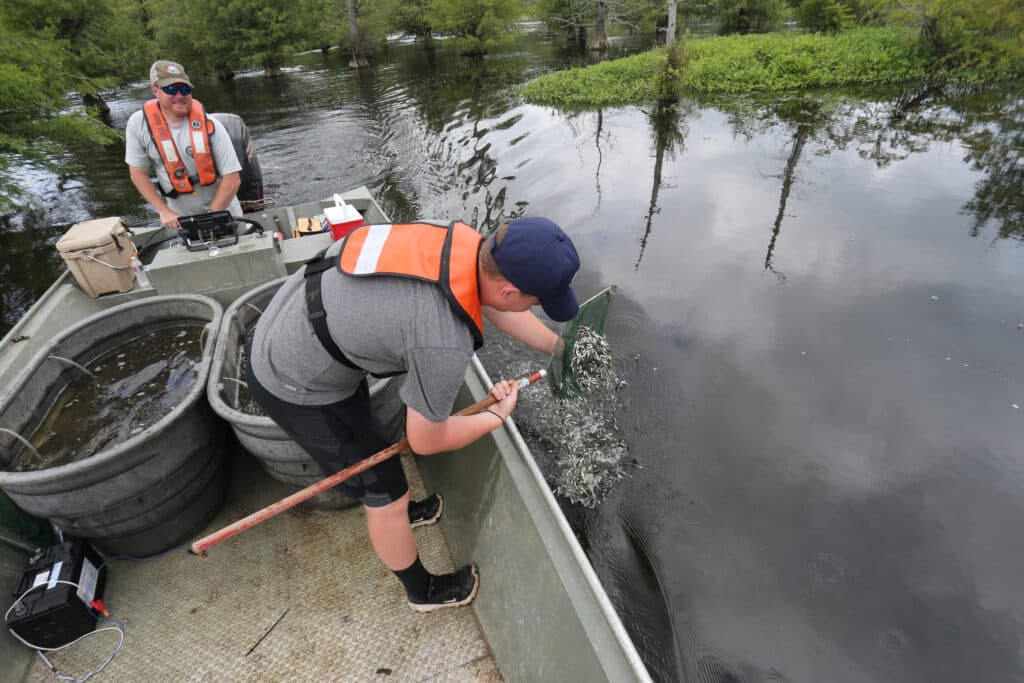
column 302, row 596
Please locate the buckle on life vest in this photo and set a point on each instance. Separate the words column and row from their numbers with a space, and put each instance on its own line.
column 174, row 191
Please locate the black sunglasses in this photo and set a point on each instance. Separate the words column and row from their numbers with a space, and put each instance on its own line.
column 177, row 88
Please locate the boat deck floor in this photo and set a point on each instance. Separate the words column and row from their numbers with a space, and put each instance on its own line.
column 300, row 597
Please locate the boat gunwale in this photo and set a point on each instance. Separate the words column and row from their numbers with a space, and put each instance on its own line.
column 8, row 339
column 591, row 583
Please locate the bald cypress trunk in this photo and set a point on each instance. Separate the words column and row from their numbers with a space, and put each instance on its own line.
column 97, row 104
column 600, row 43
column 355, row 39
column 670, row 32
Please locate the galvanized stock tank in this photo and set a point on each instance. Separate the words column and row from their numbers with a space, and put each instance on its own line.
column 282, row 458
column 144, row 494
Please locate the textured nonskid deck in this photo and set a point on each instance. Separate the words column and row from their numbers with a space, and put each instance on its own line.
column 300, row 597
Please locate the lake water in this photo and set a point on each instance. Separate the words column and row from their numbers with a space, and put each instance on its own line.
column 820, row 318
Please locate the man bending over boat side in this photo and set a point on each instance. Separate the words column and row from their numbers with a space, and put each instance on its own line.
column 197, row 170
column 406, row 300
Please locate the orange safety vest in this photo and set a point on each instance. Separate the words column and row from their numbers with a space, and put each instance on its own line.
column 444, row 255
column 200, row 129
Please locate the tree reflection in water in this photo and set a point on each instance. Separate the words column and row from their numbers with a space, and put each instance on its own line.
column 668, row 130
column 987, row 124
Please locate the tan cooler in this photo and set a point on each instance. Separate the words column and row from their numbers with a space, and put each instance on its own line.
column 98, row 253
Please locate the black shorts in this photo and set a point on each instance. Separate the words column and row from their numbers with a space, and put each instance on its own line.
column 336, row 436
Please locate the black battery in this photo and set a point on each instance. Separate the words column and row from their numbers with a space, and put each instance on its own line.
column 53, row 614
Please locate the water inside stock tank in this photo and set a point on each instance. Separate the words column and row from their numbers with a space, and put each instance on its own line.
column 122, row 392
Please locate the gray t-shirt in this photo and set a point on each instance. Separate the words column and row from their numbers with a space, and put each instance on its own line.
column 383, row 324
column 140, row 150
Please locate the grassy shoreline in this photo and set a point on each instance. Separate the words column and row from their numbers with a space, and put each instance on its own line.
column 751, row 63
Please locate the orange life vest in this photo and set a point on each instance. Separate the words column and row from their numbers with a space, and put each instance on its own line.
column 200, row 129
column 444, row 255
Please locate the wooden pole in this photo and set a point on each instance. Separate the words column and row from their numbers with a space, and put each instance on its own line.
column 200, row 546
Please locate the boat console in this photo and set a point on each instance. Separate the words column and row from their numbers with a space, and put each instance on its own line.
column 208, row 230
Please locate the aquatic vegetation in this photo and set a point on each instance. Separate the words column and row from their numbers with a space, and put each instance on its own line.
column 618, row 82
column 780, row 61
column 748, row 63
column 669, row 73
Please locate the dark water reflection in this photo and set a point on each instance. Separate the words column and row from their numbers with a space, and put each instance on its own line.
column 818, row 311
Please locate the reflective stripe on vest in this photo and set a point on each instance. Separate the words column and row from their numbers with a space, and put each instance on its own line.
column 444, row 255
column 200, row 128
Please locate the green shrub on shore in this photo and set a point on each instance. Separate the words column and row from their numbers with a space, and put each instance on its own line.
column 602, row 85
column 734, row 64
column 669, row 72
column 781, row 61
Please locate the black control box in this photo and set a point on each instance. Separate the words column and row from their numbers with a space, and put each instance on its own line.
column 52, row 614
column 205, row 230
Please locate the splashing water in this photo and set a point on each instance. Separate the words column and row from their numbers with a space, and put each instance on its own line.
column 582, row 436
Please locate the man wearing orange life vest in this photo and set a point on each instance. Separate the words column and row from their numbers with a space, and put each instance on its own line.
column 409, row 301
column 197, row 170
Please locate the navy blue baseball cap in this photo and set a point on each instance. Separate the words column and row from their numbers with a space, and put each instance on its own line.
column 540, row 259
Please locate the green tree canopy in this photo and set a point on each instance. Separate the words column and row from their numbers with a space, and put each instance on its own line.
column 823, row 15
column 408, row 16
column 749, row 16
column 50, row 52
column 478, row 25
column 571, row 16
column 218, row 37
column 986, row 34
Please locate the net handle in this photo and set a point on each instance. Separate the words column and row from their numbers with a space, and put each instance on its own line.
column 200, row 547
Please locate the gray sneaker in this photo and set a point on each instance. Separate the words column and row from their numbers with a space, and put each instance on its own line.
column 449, row 590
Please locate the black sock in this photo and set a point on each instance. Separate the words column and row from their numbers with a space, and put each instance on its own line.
column 415, row 578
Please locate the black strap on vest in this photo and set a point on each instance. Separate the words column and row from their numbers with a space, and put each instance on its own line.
column 317, row 315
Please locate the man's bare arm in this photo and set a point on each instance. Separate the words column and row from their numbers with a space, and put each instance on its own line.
column 524, row 326
column 226, row 191
column 142, row 182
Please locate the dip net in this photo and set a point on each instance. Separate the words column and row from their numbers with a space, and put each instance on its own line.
column 579, row 429
column 582, row 367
